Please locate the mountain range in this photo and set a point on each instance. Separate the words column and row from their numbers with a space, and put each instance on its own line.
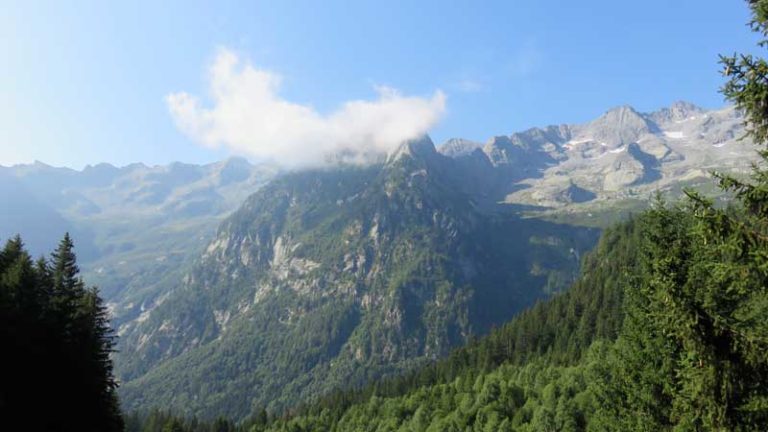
column 326, row 278
column 135, row 226
column 622, row 156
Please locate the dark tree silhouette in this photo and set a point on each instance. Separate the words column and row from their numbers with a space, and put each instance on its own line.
column 56, row 370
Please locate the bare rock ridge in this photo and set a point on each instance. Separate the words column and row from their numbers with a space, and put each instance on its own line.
column 622, row 153
column 456, row 147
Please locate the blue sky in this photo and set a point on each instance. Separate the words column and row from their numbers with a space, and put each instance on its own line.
column 87, row 82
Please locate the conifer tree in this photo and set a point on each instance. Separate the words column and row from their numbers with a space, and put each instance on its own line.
column 693, row 354
column 55, row 371
column 67, row 286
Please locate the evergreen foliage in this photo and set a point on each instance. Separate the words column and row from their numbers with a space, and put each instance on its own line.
column 56, row 371
column 163, row 421
column 531, row 374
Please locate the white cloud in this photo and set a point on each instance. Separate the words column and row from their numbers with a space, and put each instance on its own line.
column 249, row 117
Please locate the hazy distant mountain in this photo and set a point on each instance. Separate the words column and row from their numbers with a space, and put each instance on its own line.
column 171, row 190
column 134, row 226
column 23, row 212
column 328, row 278
column 457, row 147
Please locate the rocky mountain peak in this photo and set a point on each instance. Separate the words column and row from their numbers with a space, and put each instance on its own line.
column 235, row 161
column 458, row 147
column 417, row 148
column 620, row 116
column 678, row 111
column 685, row 107
column 618, row 126
column 233, row 169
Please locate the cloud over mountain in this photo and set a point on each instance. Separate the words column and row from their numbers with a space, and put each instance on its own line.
column 249, row 117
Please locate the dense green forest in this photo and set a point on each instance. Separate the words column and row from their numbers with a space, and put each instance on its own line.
column 55, row 371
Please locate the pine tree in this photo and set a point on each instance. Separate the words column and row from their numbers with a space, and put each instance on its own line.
column 84, row 327
column 9, row 254
column 56, row 371
column 693, row 354
column 67, row 286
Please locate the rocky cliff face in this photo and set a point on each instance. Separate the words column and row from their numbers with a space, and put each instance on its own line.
column 328, row 278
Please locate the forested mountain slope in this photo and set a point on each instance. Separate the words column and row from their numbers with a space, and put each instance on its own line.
column 330, row 278
column 665, row 331
column 535, row 367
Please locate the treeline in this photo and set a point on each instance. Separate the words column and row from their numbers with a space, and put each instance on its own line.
column 162, row 421
column 55, row 367
column 665, row 330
